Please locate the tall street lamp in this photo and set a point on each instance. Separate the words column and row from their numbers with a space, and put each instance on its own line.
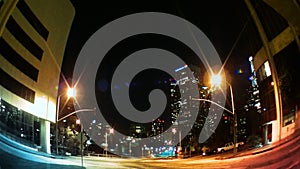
column 81, row 140
column 179, row 135
column 216, row 80
column 71, row 92
column 111, row 131
column 178, row 149
column 81, row 129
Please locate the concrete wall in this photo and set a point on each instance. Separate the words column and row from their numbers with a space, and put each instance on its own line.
column 45, row 138
column 57, row 17
column 291, row 128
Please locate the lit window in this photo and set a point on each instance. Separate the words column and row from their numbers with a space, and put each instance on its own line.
column 267, row 69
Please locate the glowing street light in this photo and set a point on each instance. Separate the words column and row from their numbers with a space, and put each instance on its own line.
column 77, row 121
column 111, row 131
column 173, row 130
column 216, row 80
column 71, row 92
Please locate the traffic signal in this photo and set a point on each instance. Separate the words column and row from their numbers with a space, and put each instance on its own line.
column 225, row 119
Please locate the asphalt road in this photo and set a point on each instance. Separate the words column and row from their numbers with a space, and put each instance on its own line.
column 285, row 156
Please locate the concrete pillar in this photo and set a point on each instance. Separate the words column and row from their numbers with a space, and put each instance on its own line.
column 45, row 136
column 276, row 136
column 266, row 134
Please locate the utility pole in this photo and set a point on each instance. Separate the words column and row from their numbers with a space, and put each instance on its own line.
column 235, row 121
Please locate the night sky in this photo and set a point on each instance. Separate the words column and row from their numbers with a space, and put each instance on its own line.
column 224, row 22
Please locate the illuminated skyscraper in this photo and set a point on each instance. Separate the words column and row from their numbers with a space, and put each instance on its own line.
column 253, row 105
column 255, row 100
column 184, row 105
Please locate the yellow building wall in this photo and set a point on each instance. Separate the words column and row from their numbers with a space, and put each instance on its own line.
column 57, row 16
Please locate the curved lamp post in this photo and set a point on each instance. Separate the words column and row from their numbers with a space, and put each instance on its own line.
column 216, row 80
column 81, row 129
column 70, row 93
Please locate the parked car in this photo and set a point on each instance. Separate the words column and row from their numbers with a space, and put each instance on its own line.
column 258, row 145
column 229, row 146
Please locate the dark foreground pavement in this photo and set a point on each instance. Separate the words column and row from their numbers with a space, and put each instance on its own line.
column 12, row 162
column 284, row 155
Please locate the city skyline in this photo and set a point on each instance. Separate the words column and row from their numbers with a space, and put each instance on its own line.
column 232, row 32
column 227, row 30
column 84, row 81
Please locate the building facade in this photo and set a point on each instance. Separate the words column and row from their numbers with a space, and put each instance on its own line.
column 276, row 65
column 33, row 35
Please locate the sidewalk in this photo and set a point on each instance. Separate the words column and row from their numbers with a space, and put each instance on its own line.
column 12, row 151
column 16, row 145
column 266, row 148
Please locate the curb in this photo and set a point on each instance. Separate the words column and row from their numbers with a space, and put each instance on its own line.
column 27, row 149
column 271, row 147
